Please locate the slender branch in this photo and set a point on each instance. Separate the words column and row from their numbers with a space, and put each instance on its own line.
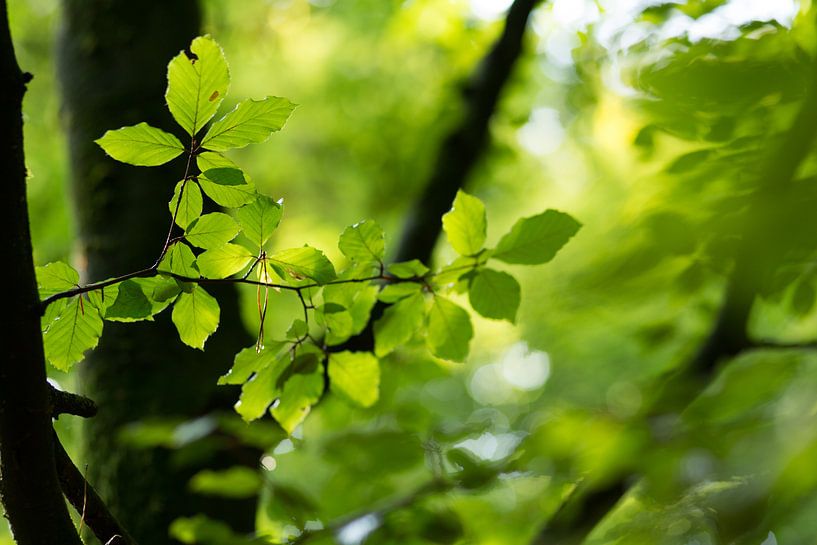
column 143, row 273
column 87, row 502
column 774, row 345
column 63, row 402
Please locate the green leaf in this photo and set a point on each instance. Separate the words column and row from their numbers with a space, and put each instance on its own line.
column 133, row 301
column 141, row 145
column 196, row 316
column 261, row 390
column 495, row 294
column 223, row 181
column 191, row 205
column 465, row 224
column 74, row 330
column 338, row 322
column 394, row 292
column 297, row 330
column 56, row 278
column 363, row 242
column 224, row 261
column 260, row 218
column 197, row 83
column 449, row 330
column 180, row 260
column 356, row 376
column 236, row 482
column 249, row 361
column 536, row 240
column 358, row 299
column 200, row 530
column 212, row 230
column 305, row 262
column 251, row 122
column 408, row 269
column 399, row 324
column 299, row 394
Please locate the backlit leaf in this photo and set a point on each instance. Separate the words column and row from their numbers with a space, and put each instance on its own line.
column 197, row 83
column 363, row 242
column 190, row 206
column 196, row 315
column 251, row 122
column 299, row 394
column 449, row 330
column 224, row 260
column 356, row 376
column 141, row 145
column 465, row 224
column 305, row 262
column 212, row 230
column 536, row 240
column 260, row 218
column 495, row 294
column 398, row 324
column 73, row 331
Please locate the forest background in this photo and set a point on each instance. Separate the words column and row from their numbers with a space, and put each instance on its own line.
column 657, row 125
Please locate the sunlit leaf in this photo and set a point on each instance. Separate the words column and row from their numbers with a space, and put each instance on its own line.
column 305, row 262
column 495, row 294
column 466, row 224
column 394, row 292
column 250, row 361
column 224, row 260
column 449, row 330
column 197, row 82
column 251, row 122
column 223, row 181
column 363, row 242
column 260, row 218
column 55, row 278
column 73, row 331
column 180, row 260
column 356, row 376
column 212, row 230
column 196, row 315
column 141, row 145
column 398, row 324
column 134, row 300
column 300, row 392
column 536, row 239
column 408, row 269
column 190, row 206
column 235, row 482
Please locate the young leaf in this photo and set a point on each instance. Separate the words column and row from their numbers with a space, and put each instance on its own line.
column 74, row 330
column 55, row 278
column 495, row 294
column 465, row 224
column 191, row 205
column 536, row 240
column 249, row 361
column 196, row 316
column 358, row 300
column 261, row 390
column 141, row 145
column 399, row 324
column 408, row 269
column 338, row 321
column 260, row 218
column 394, row 292
column 306, row 262
column 133, row 301
column 197, row 83
column 363, row 242
column 212, row 230
column 224, row 261
column 356, row 376
column 251, row 122
column 223, row 181
column 449, row 330
column 299, row 394
column 297, row 330
column 180, row 260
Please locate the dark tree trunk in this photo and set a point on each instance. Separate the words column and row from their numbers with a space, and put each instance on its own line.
column 112, row 59
column 29, row 489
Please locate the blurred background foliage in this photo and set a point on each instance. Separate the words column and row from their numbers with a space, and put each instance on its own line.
column 649, row 122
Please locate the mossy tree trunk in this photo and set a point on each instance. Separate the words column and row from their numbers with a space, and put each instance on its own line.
column 112, row 61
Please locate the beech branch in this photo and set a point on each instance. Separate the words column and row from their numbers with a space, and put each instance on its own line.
column 87, row 503
column 62, row 402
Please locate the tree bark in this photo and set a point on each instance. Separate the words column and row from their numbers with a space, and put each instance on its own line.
column 112, row 64
column 29, row 489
